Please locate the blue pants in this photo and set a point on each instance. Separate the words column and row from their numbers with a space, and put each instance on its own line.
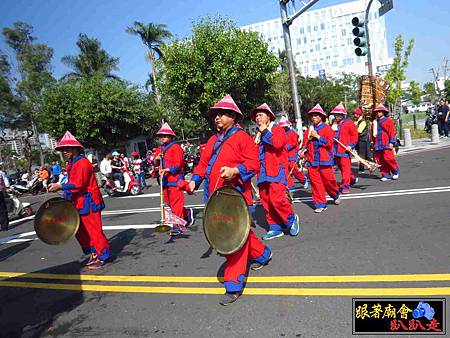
column 141, row 179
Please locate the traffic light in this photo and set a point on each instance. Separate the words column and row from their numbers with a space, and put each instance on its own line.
column 359, row 31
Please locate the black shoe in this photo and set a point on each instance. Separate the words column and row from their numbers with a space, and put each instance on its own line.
column 4, row 229
column 255, row 266
column 229, row 298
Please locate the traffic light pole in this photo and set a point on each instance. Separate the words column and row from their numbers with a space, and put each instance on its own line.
column 366, row 24
column 286, row 22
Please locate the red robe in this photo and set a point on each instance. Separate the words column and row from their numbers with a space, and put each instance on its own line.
column 173, row 159
column 383, row 154
column 272, row 179
column 82, row 189
column 347, row 134
column 234, row 148
column 292, row 148
column 319, row 155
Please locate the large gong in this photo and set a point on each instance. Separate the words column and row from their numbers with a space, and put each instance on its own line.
column 227, row 220
column 56, row 221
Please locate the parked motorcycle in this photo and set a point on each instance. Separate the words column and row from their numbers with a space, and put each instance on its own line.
column 431, row 119
column 24, row 186
column 132, row 186
column 17, row 208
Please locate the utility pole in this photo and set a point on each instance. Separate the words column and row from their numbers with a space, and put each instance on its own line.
column 286, row 21
column 436, row 86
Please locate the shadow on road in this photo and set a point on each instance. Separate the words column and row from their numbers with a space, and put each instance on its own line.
column 119, row 241
column 29, row 312
column 12, row 250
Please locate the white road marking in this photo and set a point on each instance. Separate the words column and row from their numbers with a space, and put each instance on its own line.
column 153, row 194
column 19, row 237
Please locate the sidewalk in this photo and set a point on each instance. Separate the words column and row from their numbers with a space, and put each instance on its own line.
column 424, row 143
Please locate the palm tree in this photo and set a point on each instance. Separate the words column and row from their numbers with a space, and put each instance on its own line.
column 92, row 59
column 152, row 35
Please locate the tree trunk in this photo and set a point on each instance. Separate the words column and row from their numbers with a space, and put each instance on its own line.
column 35, row 132
column 151, row 56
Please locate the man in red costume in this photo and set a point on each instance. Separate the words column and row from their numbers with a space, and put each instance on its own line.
column 347, row 134
column 272, row 178
column 318, row 148
column 230, row 159
column 383, row 138
column 170, row 158
column 292, row 148
column 82, row 189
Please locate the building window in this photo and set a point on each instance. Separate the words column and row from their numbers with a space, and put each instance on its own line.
column 317, row 48
column 334, row 64
column 322, row 26
column 299, row 41
column 302, row 30
column 304, row 39
column 344, row 33
column 308, row 29
column 316, row 28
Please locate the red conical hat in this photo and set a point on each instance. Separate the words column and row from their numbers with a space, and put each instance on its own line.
column 381, row 108
column 262, row 108
column 284, row 122
column 68, row 140
column 357, row 111
column 166, row 130
column 227, row 103
column 317, row 109
column 339, row 109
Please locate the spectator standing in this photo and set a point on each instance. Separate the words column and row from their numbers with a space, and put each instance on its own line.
column 44, row 176
column 56, row 171
column 442, row 116
column 4, row 184
column 138, row 169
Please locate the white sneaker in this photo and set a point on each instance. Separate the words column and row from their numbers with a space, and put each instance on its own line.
column 395, row 177
column 337, row 201
column 319, row 210
column 384, row 179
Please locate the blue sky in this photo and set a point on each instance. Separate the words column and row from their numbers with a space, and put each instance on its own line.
column 58, row 23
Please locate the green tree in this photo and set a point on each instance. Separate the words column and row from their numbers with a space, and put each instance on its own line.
column 415, row 92
column 430, row 91
column 396, row 74
column 447, row 90
column 153, row 36
column 25, row 94
column 90, row 60
column 279, row 95
column 329, row 93
column 102, row 113
column 218, row 59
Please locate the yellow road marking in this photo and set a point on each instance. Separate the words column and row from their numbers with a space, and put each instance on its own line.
column 251, row 279
column 441, row 291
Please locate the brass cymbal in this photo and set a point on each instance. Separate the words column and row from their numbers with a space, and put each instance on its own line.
column 56, row 221
column 226, row 221
column 163, row 227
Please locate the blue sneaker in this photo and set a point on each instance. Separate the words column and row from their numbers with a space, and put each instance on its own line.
column 272, row 234
column 295, row 227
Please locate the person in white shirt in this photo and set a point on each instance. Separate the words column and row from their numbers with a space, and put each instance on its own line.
column 105, row 166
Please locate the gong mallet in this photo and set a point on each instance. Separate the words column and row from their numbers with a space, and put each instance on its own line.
column 163, row 226
column 370, row 165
